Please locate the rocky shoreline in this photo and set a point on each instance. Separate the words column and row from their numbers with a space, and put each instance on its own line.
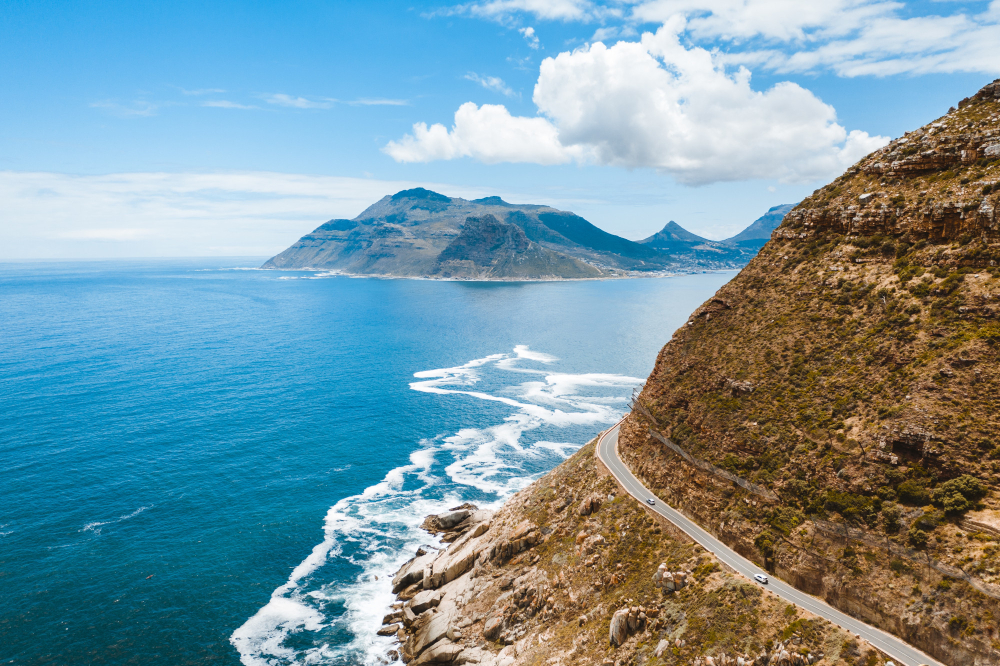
column 546, row 576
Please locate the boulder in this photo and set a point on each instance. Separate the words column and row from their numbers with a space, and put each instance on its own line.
column 424, row 600
column 661, row 647
column 452, row 518
column 492, row 628
column 388, row 630
column 461, row 561
column 411, row 572
column 411, row 591
column 432, row 632
column 472, row 655
column 443, row 652
column 524, row 536
column 618, row 630
column 524, row 528
column 451, row 565
column 590, row 505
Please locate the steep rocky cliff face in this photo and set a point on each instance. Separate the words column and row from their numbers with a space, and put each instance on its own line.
column 840, row 395
column 573, row 571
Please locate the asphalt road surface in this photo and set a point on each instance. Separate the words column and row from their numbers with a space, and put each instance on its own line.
column 902, row 653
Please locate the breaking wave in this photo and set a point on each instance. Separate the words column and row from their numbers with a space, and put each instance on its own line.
column 317, row 619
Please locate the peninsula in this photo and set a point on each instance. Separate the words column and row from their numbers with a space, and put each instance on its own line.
column 420, row 233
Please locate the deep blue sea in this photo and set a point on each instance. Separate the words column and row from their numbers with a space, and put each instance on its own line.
column 201, row 463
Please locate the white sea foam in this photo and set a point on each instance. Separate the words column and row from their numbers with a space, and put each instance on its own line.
column 96, row 526
column 378, row 530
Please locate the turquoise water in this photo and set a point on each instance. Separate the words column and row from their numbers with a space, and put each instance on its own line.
column 203, row 464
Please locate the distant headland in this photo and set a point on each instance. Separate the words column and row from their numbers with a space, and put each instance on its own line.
column 420, row 233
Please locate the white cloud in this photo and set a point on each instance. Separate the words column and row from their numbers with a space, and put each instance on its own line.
column 560, row 10
column 493, row 83
column 137, row 109
column 530, row 37
column 379, row 101
column 114, row 234
column 51, row 215
column 849, row 37
column 202, row 91
column 281, row 99
column 226, row 104
column 653, row 104
column 607, row 33
column 488, row 134
column 783, row 20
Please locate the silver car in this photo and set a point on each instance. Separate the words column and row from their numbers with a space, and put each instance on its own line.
column 651, row 502
column 760, row 578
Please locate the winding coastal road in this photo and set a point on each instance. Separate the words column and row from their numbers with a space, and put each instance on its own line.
column 904, row 653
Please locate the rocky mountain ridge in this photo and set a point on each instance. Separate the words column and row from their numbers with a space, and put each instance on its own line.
column 419, row 233
column 831, row 412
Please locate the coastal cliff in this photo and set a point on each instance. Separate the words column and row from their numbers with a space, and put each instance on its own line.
column 830, row 414
column 847, row 379
column 572, row 570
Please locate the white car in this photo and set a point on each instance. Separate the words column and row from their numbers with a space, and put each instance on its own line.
column 760, row 578
column 651, row 502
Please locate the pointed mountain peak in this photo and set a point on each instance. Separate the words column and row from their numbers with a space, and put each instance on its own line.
column 759, row 231
column 673, row 233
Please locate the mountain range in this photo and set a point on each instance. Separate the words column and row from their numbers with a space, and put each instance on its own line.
column 420, row 233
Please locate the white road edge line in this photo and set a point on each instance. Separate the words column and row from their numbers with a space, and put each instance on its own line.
column 884, row 641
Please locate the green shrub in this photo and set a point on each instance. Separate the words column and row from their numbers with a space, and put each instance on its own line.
column 929, row 521
column 958, row 623
column 898, row 566
column 917, row 538
column 958, row 495
column 765, row 544
column 890, row 518
column 850, row 506
column 785, row 519
column 914, row 491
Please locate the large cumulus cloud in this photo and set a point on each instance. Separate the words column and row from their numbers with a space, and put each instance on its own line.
column 653, row 103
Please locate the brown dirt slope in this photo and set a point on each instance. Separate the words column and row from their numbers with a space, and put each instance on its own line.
column 840, row 396
column 542, row 580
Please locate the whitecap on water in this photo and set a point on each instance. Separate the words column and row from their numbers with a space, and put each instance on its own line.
column 97, row 526
column 379, row 529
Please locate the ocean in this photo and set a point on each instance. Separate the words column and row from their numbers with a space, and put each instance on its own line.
column 205, row 463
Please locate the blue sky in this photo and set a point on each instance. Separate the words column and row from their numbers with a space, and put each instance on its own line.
column 184, row 128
